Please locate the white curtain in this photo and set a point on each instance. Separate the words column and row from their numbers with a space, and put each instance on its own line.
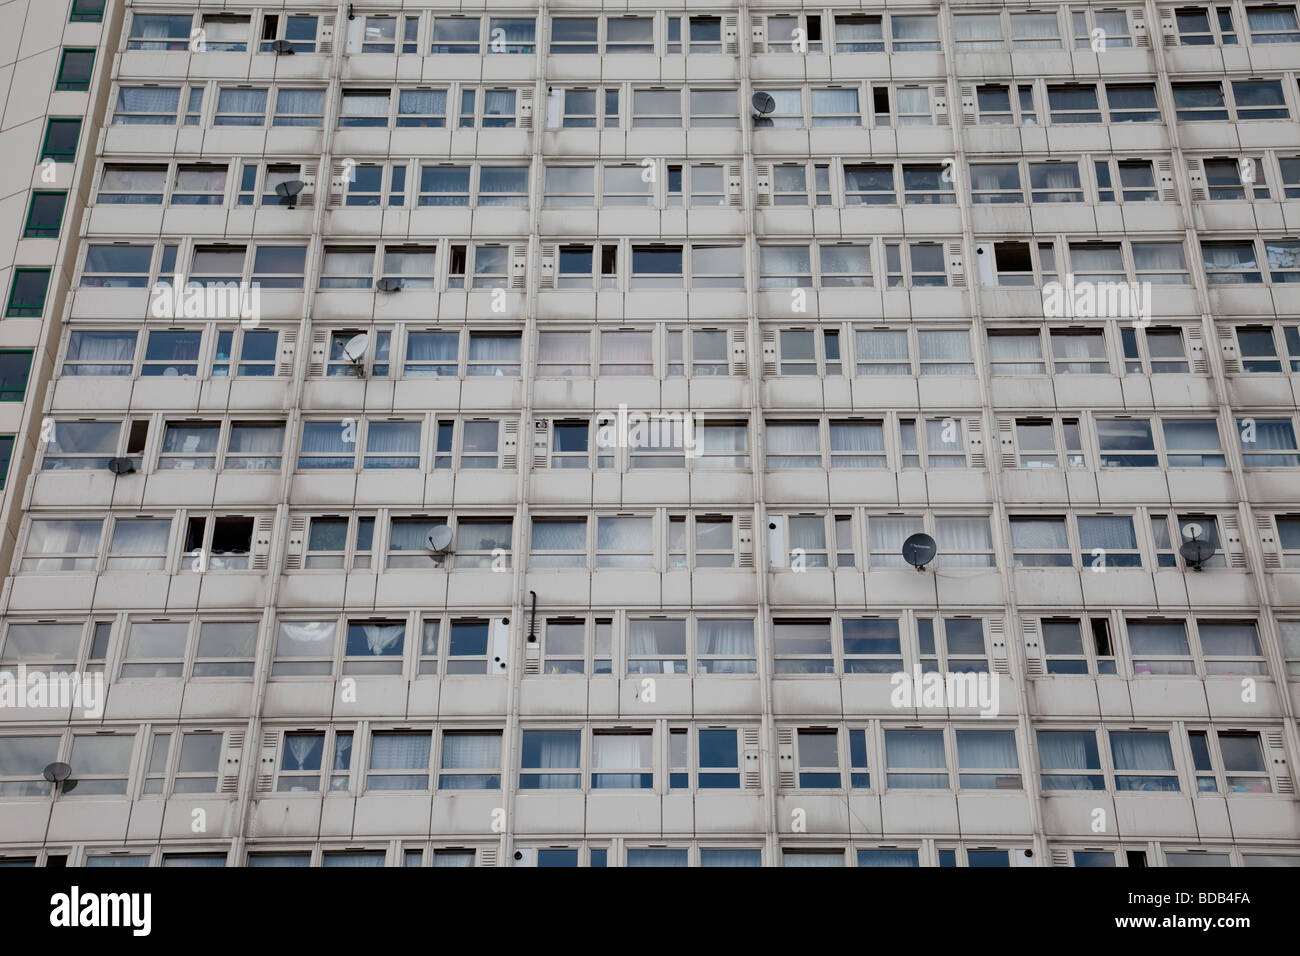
column 494, row 348
column 380, row 637
column 553, row 749
column 621, row 751
column 399, row 751
column 986, row 750
column 1035, row 31
column 623, row 534
column 1229, row 639
column 499, row 103
column 324, row 437
column 656, row 858
column 153, row 99
column 946, row 344
column 964, row 542
column 559, row 536
column 410, row 535
column 65, row 537
column 118, row 347
column 139, row 536
column 1068, row 750
column 453, row 858
column 471, row 751
column 1110, row 533
column 305, row 639
column 792, row 437
column 1159, row 638
column 657, row 638
column 915, row 749
column 233, row 100
column 304, row 748
column 393, row 437
column 256, row 438
column 1141, row 750
column 730, row 857
column 857, row 436
column 725, row 638
column 835, row 107
column 982, row 31
column 814, row 857
column 625, row 353
column 431, row 103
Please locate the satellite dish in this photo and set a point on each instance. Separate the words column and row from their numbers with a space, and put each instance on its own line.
column 121, row 466
column 1196, row 553
column 440, row 539
column 1192, row 530
column 56, row 772
column 919, row 550
column 763, row 103
column 389, row 284
column 282, row 48
column 354, row 350
column 288, row 192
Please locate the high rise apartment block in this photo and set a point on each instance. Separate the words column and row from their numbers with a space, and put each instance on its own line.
column 487, row 433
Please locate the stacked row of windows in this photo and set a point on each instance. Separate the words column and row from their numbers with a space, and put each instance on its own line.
column 661, row 351
column 897, row 443
column 673, row 34
column 628, row 106
column 635, row 644
column 697, row 265
column 678, row 184
column 1205, row 760
column 678, row 853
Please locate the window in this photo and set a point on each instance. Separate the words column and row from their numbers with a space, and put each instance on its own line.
column 872, row 646
column 399, row 760
column 240, row 106
column 818, row 758
column 1156, row 351
column 1199, row 102
column 995, row 183
column 61, row 136
column 167, row 31
column 622, row 760
column 916, row 759
column 1192, row 443
column 1268, row 443
column 1132, row 103
column 1230, row 263
column 1078, row 352
column 802, row 646
column 1143, row 760
column 1159, row 647
column 255, row 355
column 471, row 760
column 304, row 108
column 987, row 760
column 1288, row 536
column 550, row 760
column 1126, row 443
column 6, row 455
column 299, row 30
column 656, row 646
column 1064, row 645
column 75, row 69
column 1069, row 760
column 1273, row 23
column 15, row 365
column 87, row 11
column 139, row 544
column 1070, row 103
column 27, row 292
column 62, row 545
column 1230, row 648
column 1240, row 757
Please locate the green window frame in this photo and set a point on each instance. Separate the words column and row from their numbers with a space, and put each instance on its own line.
column 87, row 11
column 77, row 56
column 45, row 214
column 23, row 300
column 14, row 375
column 6, row 455
column 59, row 152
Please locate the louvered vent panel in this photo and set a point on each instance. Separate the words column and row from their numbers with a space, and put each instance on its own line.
column 1268, row 541
column 288, row 340
column 753, row 760
column 1007, row 442
column 1060, row 857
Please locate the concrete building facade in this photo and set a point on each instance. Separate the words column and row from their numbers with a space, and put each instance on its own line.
column 487, row 434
